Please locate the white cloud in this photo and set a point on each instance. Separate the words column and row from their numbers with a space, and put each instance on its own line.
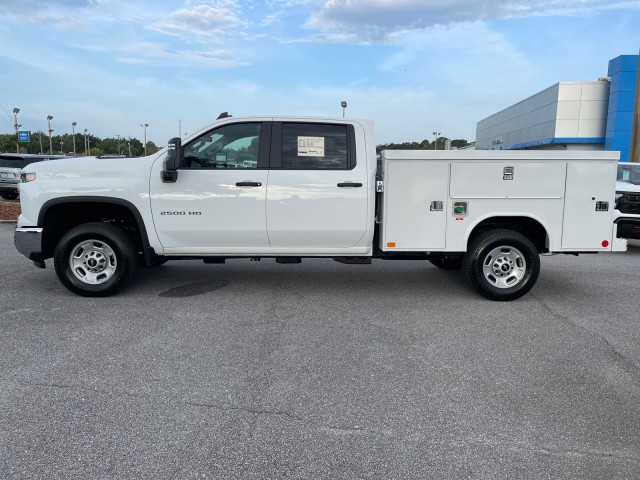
column 67, row 14
column 203, row 20
column 380, row 20
column 148, row 53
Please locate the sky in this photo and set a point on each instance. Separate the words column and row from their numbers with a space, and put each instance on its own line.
column 414, row 67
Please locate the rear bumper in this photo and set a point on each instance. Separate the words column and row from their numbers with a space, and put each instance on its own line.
column 28, row 241
column 9, row 187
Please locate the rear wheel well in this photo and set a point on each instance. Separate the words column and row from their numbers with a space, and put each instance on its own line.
column 62, row 217
column 530, row 228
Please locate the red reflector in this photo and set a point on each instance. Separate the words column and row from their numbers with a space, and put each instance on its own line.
column 605, row 243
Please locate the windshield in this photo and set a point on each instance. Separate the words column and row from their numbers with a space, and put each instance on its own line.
column 11, row 163
column 629, row 172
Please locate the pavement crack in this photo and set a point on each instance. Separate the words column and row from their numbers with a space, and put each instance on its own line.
column 625, row 363
column 113, row 393
column 251, row 410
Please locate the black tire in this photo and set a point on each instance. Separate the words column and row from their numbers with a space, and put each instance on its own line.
column 447, row 263
column 95, row 259
column 9, row 195
column 502, row 264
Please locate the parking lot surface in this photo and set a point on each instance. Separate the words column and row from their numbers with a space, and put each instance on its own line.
column 257, row 370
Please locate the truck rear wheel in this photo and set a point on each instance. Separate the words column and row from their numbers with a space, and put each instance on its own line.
column 502, row 264
column 95, row 259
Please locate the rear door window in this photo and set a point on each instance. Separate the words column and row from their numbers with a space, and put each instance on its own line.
column 315, row 146
column 11, row 163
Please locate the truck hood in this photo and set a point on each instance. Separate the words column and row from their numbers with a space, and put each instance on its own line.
column 626, row 187
column 92, row 166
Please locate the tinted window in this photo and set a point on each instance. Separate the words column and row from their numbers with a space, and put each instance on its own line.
column 11, row 163
column 313, row 146
column 230, row 146
column 629, row 173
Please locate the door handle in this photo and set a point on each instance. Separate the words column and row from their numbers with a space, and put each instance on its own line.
column 349, row 184
column 248, row 184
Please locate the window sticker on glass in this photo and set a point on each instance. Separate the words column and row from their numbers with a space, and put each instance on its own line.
column 311, row 146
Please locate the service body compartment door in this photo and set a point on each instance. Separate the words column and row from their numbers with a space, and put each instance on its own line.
column 585, row 227
column 415, row 203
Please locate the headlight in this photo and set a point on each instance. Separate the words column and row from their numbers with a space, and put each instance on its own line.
column 27, row 177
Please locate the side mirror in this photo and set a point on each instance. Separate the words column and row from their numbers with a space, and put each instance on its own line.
column 173, row 160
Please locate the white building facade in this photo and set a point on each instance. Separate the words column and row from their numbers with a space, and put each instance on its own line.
column 601, row 115
column 567, row 115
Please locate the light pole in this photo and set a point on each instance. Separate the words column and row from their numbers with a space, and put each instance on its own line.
column 129, row 146
column 49, row 118
column 343, row 104
column 61, row 146
column 73, row 128
column 86, row 150
column 435, row 142
column 16, row 111
column 144, row 126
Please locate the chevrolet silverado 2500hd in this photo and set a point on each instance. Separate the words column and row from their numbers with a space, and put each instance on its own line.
column 628, row 197
column 290, row 188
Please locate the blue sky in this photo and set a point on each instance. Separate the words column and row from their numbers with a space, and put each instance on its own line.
column 411, row 66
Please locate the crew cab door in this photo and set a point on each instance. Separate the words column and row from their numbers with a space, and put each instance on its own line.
column 218, row 200
column 317, row 197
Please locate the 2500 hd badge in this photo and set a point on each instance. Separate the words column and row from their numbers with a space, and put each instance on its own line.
column 180, row 213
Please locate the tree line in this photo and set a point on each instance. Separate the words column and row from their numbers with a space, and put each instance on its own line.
column 63, row 145
column 423, row 145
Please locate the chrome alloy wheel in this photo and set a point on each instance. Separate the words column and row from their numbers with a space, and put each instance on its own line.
column 92, row 262
column 504, row 267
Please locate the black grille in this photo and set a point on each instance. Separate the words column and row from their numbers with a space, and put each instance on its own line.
column 629, row 203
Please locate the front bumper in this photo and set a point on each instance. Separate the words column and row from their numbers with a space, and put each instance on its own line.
column 28, row 241
column 628, row 227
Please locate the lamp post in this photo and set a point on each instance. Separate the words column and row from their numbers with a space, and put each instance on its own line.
column 73, row 128
column 86, row 150
column 49, row 118
column 144, row 126
column 61, row 146
column 435, row 142
column 16, row 111
column 343, row 104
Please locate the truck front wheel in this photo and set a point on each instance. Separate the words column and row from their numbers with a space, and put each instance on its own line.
column 95, row 259
column 502, row 264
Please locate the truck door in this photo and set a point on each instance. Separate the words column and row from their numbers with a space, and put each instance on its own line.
column 219, row 197
column 317, row 196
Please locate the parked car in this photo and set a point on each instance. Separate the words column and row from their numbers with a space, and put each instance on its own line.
column 10, row 166
column 628, row 195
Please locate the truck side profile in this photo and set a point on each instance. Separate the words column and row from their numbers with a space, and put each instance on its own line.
column 289, row 188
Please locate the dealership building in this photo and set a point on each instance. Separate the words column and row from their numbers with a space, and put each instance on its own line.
column 597, row 115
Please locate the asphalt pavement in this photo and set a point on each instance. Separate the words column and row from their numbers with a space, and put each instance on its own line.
column 257, row 370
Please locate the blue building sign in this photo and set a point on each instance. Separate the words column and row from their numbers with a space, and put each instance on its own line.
column 23, row 136
column 623, row 71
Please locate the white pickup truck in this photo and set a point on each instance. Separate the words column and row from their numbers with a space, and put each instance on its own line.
column 289, row 188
